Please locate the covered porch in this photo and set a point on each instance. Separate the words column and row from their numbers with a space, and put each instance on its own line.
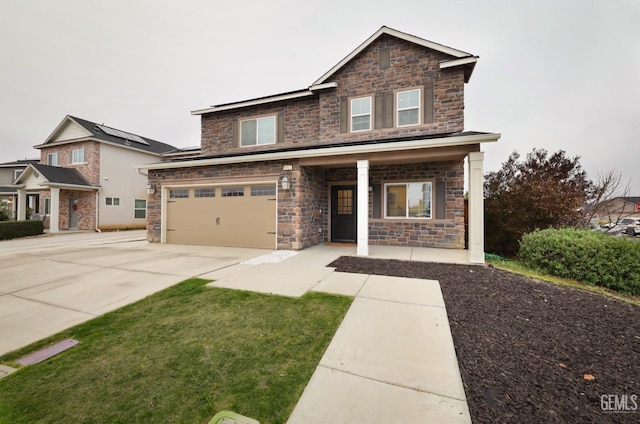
column 434, row 217
column 66, row 198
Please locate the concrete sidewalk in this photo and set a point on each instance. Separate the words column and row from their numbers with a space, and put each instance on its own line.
column 392, row 358
column 51, row 283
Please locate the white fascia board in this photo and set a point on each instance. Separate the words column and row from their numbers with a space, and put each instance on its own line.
column 395, row 33
column 332, row 151
column 264, row 100
column 324, row 86
column 458, row 62
column 77, row 140
column 71, row 186
column 63, row 142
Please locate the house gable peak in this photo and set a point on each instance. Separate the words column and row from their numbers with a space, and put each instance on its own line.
column 458, row 57
column 76, row 129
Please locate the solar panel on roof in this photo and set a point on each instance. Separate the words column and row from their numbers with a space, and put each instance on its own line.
column 123, row 135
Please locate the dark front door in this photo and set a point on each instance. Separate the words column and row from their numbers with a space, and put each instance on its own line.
column 343, row 214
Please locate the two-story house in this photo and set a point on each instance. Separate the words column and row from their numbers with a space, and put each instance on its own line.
column 87, row 177
column 9, row 171
column 370, row 153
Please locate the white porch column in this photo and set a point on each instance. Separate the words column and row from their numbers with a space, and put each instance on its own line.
column 476, row 208
column 363, row 208
column 22, row 204
column 54, row 218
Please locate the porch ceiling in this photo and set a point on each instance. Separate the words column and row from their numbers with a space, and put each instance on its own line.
column 433, row 154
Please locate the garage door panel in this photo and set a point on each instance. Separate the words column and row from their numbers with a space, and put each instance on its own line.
column 232, row 220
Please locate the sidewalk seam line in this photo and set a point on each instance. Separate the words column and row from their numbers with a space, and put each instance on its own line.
column 54, row 305
column 393, row 384
column 402, row 303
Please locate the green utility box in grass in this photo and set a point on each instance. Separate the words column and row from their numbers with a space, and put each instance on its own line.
column 228, row 417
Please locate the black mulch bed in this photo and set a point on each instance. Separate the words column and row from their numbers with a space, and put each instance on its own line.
column 525, row 346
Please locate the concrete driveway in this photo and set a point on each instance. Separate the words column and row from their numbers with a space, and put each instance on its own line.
column 50, row 283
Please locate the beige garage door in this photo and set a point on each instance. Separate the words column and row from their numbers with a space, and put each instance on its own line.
column 241, row 216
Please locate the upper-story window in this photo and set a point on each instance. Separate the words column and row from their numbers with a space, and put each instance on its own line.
column 258, row 131
column 361, row 114
column 16, row 173
column 52, row 159
column 77, row 156
column 408, row 109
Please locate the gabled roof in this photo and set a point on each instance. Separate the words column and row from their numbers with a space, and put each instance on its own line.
column 20, row 163
column 56, row 176
column 87, row 130
column 458, row 57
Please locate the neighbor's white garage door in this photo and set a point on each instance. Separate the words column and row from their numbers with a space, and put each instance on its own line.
column 239, row 215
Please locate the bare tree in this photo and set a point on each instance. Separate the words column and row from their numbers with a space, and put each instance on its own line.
column 601, row 200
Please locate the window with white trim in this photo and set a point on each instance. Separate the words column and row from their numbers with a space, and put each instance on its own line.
column 77, row 156
column 47, row 205
column 232, row 191
column 139, row 208
column 408, row 200
column 361, row 114
column 178, row 193
column 269, row 190
column 16, row 173
column 258, row 131
column 408, row 108
column 112, row 201
column 204, row 192
column 52, row 159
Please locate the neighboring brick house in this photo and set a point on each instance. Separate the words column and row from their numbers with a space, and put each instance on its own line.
column 371, row 153
column 87, row 177
column 9, row 171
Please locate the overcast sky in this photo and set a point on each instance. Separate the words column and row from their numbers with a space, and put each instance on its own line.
column 553, row 74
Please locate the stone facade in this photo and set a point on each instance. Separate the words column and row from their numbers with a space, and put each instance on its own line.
column 316, row 120
column 300, row 123
column 304, row 211
column 412, row 66
column 447, row 232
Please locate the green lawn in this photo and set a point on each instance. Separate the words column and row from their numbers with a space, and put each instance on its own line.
column 178, row 356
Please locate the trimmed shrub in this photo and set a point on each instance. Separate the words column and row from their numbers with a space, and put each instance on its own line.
column 15, row 229
column 588, row 256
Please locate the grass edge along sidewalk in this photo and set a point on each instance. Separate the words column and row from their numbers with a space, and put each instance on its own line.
column 180, row 355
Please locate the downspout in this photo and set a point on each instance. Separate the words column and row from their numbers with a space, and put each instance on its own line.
column 98, row 211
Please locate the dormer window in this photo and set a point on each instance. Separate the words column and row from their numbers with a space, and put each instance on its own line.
column 361, row 114
column 408, row 108
column 258, row 131
column 52, row 159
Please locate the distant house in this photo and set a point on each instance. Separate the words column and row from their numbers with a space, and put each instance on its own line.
column 372, row 152
column 9, row 171
column 616, row 208
column 87, row 177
